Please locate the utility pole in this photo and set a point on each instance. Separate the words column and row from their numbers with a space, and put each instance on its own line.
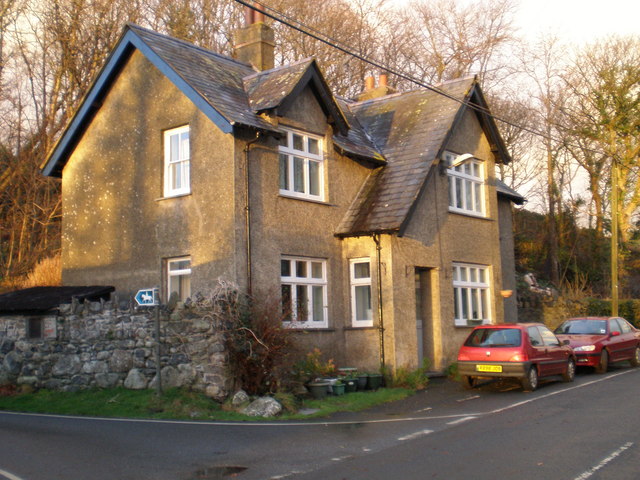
column 614, row 238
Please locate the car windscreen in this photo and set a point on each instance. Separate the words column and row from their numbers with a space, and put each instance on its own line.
column 494, row 337
column 582, row 327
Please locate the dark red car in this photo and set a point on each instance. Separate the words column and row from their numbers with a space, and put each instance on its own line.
column 599, row 341
column 526, row 351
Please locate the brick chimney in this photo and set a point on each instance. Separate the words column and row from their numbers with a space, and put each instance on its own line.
column 255, row 42
column 370, row 89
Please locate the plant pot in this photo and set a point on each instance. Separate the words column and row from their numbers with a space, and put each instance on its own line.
column 374, row 381
column 350, row 386
column 339, row 389
column 362, row 381
column 318, row 390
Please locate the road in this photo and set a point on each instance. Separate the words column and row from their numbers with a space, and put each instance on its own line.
column 588, row 429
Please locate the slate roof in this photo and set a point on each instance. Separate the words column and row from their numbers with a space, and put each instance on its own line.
column 44, row 299
column 410, row 129
column 506, row 191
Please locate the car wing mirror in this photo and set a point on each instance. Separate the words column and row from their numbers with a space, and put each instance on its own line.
column 615, row 334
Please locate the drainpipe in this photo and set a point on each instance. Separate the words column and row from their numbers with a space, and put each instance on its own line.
column 376, row 239
column 247, row 211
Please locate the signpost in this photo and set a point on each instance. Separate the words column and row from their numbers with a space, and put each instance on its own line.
column 150, row 297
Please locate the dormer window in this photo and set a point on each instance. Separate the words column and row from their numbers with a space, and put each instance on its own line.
column 301, row 166
column 466, row 184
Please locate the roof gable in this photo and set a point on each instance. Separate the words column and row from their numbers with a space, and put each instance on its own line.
column 410, row 130
column 211, row 81
column 277, row 89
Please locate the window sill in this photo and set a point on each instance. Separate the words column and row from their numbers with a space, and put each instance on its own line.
column 470, row 214
column 160, row 199
column 312, row 329
column 363, row 327
column 308, row 200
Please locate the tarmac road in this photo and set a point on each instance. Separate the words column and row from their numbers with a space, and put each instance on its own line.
column 586, row 429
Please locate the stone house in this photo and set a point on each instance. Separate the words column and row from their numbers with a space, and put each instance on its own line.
column 378, row 221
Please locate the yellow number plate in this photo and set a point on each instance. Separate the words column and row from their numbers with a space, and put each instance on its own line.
column 489, row 368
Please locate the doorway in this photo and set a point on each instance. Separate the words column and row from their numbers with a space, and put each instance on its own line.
column 424, row 316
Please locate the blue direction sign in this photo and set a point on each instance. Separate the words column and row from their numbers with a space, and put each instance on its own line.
column 147, row 297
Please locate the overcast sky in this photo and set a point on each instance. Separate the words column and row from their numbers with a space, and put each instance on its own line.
column 576, row 21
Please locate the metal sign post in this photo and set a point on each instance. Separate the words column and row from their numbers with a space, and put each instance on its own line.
column 150, row 297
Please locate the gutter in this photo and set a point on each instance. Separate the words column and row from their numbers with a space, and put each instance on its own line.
column 247, row 211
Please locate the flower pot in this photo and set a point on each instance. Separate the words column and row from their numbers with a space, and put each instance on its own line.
column 362, row 381
column 374, row 381
column 339, row 389
column 318, row 390
column 350, row 385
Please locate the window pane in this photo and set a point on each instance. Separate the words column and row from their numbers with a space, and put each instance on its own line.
column 285, row 268
column 481, row 275
column 477, row 189
column 316, row 270
column 318, row 303
column 473, row 275
column 298, row 142
column 363, row 302
column 302, row 303
column 175, row 148
column 314, row 146
column 452, row 192
column 456, row 275
column 286, row 302
column 465, row 303
column 456, row 302
column 475, row 296
column 361, row 270
column 298, row 174
column 184, row 145
column 314, row 178
column 284, row 172
column 179, row 264
column 468, row 195
column 301, row 269
column 463, row 274
column 459, row 193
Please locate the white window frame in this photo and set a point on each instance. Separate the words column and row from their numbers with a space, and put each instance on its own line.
column 290, row 156
column 466, row 185
column 183, row 272
column 471, row 290
column 308, row 283
column 360, row 282
column 181, row 164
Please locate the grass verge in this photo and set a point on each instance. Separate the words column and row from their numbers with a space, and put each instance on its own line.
column 180, row 404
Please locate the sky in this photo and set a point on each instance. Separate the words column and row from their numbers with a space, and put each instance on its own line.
column 576, row 21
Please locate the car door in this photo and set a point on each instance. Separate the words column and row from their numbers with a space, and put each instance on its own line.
column 624, row 343
column 539, row 354
column 556, row 354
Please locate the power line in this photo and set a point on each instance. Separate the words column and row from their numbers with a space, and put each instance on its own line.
column 327, row 40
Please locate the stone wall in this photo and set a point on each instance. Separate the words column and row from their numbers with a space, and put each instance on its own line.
column 103, row 344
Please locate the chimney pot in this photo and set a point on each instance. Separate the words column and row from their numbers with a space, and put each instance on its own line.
column 369, row 83
column 248, row 16
column 383, row 80
column 258, row 16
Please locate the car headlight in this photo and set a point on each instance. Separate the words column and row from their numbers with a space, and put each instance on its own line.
column 585, row 348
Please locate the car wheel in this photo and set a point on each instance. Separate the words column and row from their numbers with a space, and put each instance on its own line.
column 530, row 382
column 635, row 360
column 570, row 373
column 468, row 382
column 604, row 362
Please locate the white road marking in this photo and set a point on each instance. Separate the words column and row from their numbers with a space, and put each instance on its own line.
column 604, row 462
column 411, row 436
column 8, row 476
column 460, row 420
column 467, row 399
column 424, row 410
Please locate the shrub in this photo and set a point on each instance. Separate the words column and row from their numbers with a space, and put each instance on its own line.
column 415, row 379
column 313, row 366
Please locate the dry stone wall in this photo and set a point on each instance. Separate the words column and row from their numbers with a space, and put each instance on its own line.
column 106, row 344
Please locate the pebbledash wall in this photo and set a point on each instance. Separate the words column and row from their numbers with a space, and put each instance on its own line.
column 106, row 344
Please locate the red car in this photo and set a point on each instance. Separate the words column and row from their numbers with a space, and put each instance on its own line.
column 527, row 351
column 599, row 341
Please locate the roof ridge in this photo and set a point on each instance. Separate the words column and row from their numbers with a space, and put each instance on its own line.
column 187, row 44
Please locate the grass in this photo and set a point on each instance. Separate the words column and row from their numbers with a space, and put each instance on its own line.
column 179, row 404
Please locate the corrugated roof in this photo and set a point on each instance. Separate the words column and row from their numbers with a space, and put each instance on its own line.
column 43, row 299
